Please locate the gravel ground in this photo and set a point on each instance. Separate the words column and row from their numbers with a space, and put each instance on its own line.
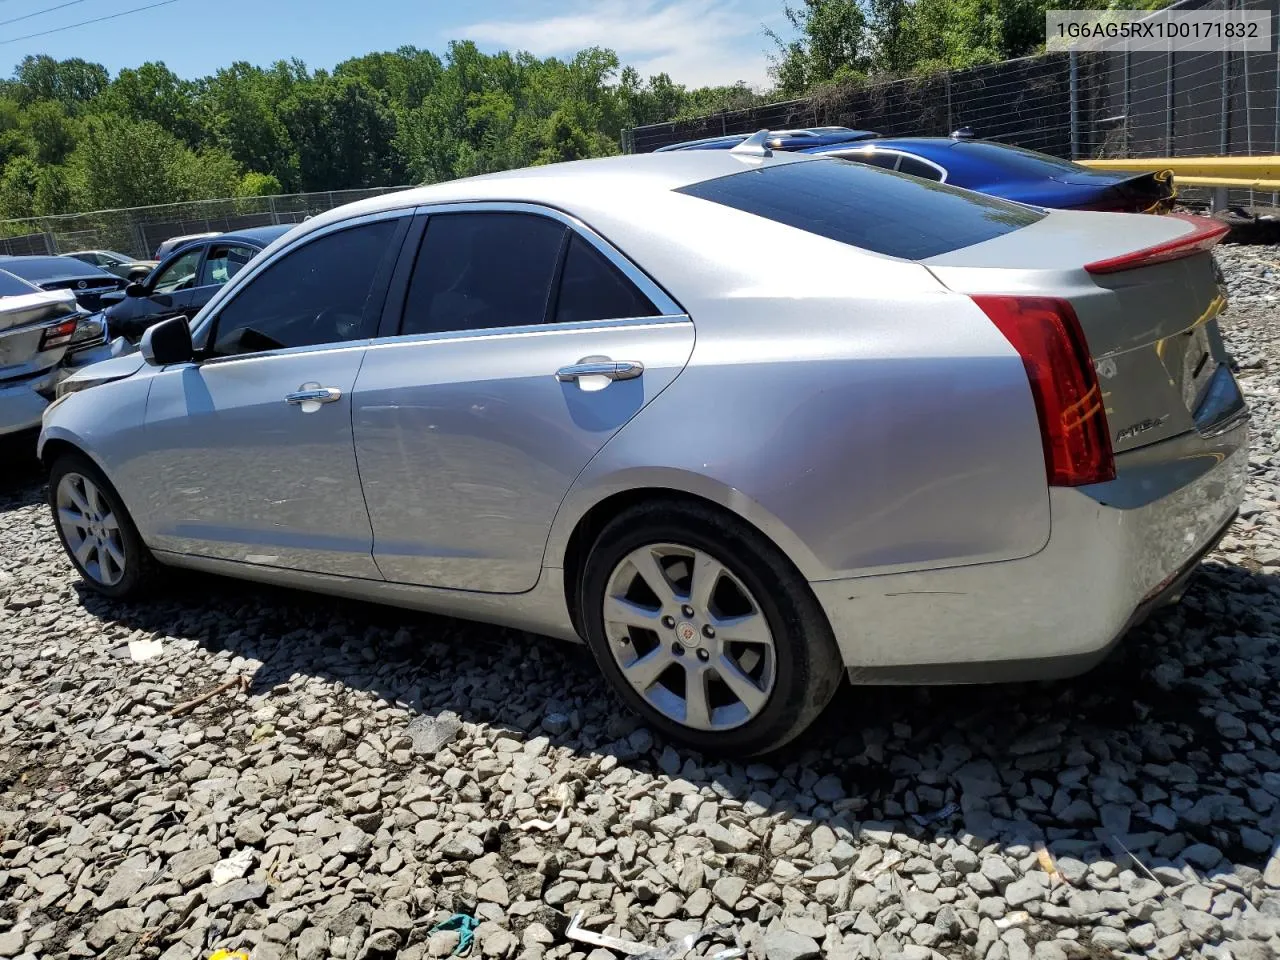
column 364, row 773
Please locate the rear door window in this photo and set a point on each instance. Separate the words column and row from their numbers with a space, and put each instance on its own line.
column 224, row 262
column 478, row 271
column 872, row 209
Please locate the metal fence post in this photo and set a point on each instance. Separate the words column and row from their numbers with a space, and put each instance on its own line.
column 1126, row 105
column 951, row 124
column 1218, row 202
column 1168, row 104
column 275, row 217
column 1074, row 81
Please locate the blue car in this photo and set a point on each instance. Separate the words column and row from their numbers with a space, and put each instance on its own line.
column 999, row 169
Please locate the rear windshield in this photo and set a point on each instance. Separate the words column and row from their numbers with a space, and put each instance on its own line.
column 1017, row 160
column 11, row 286
column 42, row 269
column 866, row 207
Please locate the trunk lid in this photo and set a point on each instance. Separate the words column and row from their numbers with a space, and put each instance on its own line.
column 23, row 321
column 1152, row 330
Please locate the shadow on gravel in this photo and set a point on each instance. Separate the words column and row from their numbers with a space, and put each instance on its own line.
column 1165, row 750
column 21, row 475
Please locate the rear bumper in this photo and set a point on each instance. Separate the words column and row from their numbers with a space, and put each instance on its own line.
column 1116, row 551
column 22, row 402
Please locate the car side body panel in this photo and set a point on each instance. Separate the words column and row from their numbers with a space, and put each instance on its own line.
column 953, row 426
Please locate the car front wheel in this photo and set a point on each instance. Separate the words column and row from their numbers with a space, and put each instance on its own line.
column 706, row 629
column 96, row 530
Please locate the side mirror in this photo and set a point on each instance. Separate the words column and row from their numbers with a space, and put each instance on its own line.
column 166, row 342
column 135, row 289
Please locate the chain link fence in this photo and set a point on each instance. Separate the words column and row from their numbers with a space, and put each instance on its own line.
column 1075, row 106
column 138, row 231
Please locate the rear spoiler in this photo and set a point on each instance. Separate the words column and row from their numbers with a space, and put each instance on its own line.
column 1204, row 235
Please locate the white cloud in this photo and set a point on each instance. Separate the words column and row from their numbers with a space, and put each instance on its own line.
column 696, row 42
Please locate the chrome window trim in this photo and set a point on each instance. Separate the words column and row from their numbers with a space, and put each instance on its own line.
column 231, row 289
column 362, row 344
column 662, row 301
column 853, row 155
column 525, row 330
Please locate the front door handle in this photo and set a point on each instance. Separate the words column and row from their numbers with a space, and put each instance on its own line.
column 314, row 395
column 614, row 370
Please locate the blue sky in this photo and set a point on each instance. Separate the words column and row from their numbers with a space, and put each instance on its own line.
column 696, row 41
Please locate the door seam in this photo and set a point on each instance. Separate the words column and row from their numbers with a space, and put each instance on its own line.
column 355, row 455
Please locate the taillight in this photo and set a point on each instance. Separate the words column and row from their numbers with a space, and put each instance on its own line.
column 1204, row 236
column 58, row 335
column 1073, row 423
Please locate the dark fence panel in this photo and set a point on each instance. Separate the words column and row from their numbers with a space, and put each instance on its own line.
column 27, row 245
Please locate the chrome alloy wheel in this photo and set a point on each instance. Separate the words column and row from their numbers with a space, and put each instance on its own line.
column 90, row 528
column 689, row 637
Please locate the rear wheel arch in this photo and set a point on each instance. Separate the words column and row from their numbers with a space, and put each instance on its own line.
column 601, row 514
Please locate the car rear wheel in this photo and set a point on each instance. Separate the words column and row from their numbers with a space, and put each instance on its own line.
column 706, row 630
column 96, row 530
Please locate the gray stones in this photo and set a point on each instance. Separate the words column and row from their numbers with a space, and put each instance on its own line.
column 828, row 789
column 235, row 892
column 998, row 872
column 1023, row 891
column 727, row 890
column 1230, row 726
column 1202, row 855
column 128, row 879
column 462, row 846
column 11, row 943
column 921, row 906
column 556, row 724
column 785, row 944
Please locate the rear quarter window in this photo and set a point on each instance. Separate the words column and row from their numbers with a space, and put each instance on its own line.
column 876, row 210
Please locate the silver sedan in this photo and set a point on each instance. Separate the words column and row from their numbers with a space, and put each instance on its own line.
column 745, row 424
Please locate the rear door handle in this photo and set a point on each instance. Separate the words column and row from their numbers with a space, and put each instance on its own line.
column 316, row 395
column 614, row 370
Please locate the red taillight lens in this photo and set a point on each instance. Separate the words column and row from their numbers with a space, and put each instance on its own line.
column 59, row 335
column 1073, row 423
column 1204, row 236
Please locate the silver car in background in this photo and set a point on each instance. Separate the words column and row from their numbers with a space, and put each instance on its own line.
column 744, row 423
column 43, row 335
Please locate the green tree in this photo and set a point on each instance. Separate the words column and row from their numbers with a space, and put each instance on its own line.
column 129, row 163
column 154, row 92
column 18, row 187
column 254, row 184
column 242, row 102
column 50, row 132
column 344, row 135
column 73, row 83
column 833, row 46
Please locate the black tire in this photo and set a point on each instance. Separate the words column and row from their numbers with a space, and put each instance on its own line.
column 809, row 669
column 141, row 570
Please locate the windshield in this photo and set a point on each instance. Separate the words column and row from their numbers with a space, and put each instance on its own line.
column 867, row 207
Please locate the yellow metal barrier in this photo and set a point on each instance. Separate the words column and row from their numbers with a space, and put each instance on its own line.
column 1258, row 173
